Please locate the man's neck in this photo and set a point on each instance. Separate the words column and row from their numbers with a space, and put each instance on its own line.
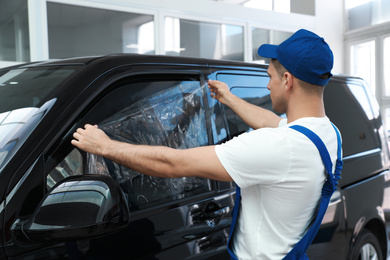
column 313, row 107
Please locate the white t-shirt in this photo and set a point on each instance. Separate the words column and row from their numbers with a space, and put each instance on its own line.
column 281, row 174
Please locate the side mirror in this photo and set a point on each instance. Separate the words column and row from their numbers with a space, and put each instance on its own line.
column 78, row 207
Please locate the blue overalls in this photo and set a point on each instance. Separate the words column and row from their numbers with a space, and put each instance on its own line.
column 299, row 250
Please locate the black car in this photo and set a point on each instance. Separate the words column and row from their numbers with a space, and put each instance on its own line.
column 57, row 202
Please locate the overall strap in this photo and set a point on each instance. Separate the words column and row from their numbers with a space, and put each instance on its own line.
column 299, row 250
column 236, row 209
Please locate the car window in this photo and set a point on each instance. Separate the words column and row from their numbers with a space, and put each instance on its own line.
column 256, row 96
column 348, row 106
column 76, row 163
column 72, row 164
column 251, row 88
column 160, row 112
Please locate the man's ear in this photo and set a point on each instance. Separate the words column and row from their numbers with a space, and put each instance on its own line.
column 288, row 78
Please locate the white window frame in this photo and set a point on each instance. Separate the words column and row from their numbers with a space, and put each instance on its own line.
column 377, row 33
column 348, row 56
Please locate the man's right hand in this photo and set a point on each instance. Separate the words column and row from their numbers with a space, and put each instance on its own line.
column 219, row 91
column 254, row 116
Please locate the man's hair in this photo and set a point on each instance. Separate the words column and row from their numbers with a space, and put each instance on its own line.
column 308, row 87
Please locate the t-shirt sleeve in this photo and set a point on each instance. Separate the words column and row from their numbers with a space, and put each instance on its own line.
column 261, row 156
column 283, row 122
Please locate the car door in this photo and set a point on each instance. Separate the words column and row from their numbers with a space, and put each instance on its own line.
column 170, row 218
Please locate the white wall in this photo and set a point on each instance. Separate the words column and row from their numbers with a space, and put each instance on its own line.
column 330, row 25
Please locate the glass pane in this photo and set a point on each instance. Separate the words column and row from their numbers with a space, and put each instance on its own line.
column 386, row 65
column 14, row 33
column 21, row 88
column 253, row 89
column 387, row 122
column 84, row 31
column 203, row 40
column 261, row 36
column 278, row 37
column 169, row 113
column 352, row 101
column 363, row 62
column 257, row 96
column 363, row 13
column 381, row 12
column 361, row 95
column 354, row 3
column 71, row 165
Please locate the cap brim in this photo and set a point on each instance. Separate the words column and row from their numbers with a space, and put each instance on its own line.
column 267, row 51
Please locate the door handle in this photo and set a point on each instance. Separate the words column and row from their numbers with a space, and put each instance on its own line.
column 215, row 214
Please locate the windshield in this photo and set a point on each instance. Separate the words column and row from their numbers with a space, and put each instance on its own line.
column 24, row 99
column 21, row 88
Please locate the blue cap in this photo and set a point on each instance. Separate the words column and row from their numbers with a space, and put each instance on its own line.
column 305, row 55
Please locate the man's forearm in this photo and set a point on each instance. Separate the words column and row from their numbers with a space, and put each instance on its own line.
column 161, row 161
column 158, row 161
column 254, row 116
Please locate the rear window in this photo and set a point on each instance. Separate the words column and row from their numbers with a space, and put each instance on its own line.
column 350, row 108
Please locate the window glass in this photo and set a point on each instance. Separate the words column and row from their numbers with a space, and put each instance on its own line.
column 361, row 96
column 23, row 88
column 168, row 113
column 364, row 13
column 363, row 62
column 218, row 122
column 14, row 33
column 83, row 31
column 262, row 36
column 259, row 37
column 386, row 64
column 71, row 165
column 203, row 40
column 256, row 96
column 25, row 97
column 173, row 117
column 387, row 121
column 352, row 102
column 252, row 89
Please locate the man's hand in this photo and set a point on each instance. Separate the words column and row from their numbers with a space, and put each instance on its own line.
column 90, row 139
column 219, row 91
column 158, row 161
column 254, row 116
